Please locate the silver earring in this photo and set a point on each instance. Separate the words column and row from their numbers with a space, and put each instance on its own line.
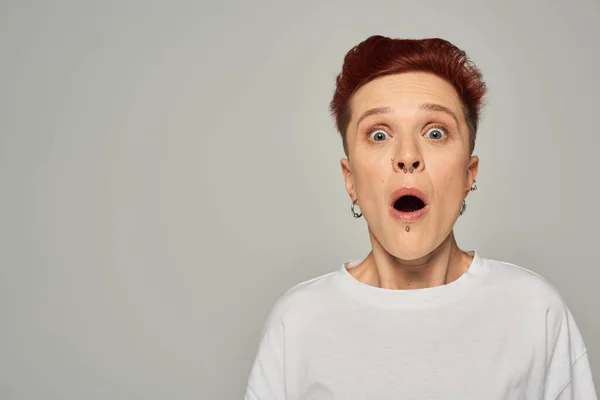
column 474, row 186
column 354, row 213
column 463, row 208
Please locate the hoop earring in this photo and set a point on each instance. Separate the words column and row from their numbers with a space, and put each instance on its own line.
column 354, row 213
column 463, row 208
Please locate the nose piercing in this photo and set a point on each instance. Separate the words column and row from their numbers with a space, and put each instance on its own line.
column 404, row 169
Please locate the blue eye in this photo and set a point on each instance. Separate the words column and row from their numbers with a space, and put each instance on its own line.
column 379, row 135
column 436, row 133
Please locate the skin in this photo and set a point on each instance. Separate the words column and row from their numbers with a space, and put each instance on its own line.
column 444, row 170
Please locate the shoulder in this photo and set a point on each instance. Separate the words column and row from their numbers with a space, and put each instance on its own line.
column 566, row 366
column 534, row 296
column 522, row 284
column 515, row 272
column 304, row 298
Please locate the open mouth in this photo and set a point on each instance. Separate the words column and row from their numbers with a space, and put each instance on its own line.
column 409, row 203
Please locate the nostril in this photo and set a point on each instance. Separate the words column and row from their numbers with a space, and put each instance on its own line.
column 416, row 164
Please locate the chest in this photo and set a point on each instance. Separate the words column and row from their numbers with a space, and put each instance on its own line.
column 466, row 354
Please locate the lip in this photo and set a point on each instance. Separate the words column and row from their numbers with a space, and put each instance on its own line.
column 413, row 215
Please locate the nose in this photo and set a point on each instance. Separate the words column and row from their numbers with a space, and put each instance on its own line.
column 407, row 156
column 408, row 162
column 412, row 168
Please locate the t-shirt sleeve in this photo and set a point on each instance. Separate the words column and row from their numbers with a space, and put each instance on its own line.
column 581, row 385
column 568, row 376
column 267, row 375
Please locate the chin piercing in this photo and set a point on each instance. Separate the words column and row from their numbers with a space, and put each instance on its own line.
column 407, row 228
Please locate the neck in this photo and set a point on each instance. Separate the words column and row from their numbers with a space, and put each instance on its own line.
column 443, row 265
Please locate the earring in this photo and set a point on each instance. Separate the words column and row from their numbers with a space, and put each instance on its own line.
column 463, row 208
column 474, row 186
column 354, row 213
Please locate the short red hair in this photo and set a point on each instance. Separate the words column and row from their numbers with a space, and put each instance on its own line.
column 379, row 55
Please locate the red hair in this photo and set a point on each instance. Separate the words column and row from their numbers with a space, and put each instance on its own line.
column 379, row 55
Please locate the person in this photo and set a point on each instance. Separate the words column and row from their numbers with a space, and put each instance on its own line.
column 417, row 318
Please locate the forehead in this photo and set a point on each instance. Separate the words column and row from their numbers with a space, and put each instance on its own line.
column 404, row 93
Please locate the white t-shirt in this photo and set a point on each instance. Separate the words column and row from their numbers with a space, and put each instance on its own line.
column 497, row 332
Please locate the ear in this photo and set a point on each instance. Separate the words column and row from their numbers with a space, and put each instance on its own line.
column 348, row 178
column 472, row 170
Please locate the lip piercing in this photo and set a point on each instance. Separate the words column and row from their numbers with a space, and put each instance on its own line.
column 407, row 228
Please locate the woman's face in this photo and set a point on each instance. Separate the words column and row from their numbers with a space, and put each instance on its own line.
column 416, row 119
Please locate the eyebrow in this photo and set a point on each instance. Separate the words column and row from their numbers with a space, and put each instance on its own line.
column 439, row 108
column 374, row 111
column 425, row 106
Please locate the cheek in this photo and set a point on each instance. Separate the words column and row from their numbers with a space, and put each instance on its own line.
column 370, row 178
column 449, row 183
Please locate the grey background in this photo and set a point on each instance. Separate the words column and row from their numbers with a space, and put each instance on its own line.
column 168, row 169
